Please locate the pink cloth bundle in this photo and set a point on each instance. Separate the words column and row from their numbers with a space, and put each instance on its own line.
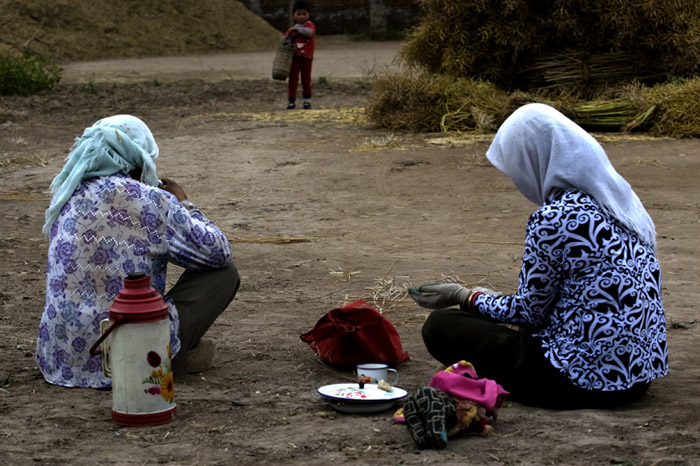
column 461, row 381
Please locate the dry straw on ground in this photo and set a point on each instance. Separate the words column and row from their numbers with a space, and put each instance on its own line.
column 335, row 116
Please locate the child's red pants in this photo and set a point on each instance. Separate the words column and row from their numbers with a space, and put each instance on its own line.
column 300, row 65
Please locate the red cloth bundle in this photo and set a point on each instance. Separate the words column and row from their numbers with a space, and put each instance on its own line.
column 355, row 334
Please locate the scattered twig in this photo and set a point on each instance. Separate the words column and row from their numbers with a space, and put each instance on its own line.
column 296, row 300
column 38, row 31
column 346, row 274
column 72, row 417
column 387, row 293
column 508, row 435
column 276, row 240
column 26, row 199
column 496, row 242
column 390, row 269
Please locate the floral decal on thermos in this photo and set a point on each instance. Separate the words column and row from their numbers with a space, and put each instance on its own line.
column 161, row 379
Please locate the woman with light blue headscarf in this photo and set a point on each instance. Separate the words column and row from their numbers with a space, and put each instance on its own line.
column 118, row 144
column 110, row 216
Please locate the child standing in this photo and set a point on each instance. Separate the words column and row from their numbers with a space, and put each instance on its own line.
column 303, row 35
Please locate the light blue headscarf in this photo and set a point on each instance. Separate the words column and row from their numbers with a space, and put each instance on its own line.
column 118, row 144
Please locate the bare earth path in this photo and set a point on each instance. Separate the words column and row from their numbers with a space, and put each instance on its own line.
column 332, row 60
column 372, row 213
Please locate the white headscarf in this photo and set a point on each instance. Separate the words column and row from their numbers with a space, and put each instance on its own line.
column 117, row 144
column 541, row 149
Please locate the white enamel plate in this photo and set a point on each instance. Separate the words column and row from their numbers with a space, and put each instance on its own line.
column 350, row 398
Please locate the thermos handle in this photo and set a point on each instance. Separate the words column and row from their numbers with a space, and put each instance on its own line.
column 95, row 349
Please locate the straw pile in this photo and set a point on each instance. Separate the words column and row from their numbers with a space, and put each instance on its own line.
column 432, row 102
column 613, row 65
column 68, row 30
column 677, row 112
column 520, row 44
column 408, row 101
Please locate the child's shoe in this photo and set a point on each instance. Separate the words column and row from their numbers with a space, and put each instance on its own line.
column 291, row 106
column 307, row 105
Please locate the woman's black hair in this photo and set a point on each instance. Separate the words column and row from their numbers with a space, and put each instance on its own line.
column 301, row 6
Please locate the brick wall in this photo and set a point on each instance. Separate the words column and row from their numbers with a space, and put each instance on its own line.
column 337, row 16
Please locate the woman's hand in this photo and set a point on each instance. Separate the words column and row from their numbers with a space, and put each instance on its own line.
column 173, row 188
column 440, row 295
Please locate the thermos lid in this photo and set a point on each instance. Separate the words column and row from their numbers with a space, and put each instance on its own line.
column 138, row 301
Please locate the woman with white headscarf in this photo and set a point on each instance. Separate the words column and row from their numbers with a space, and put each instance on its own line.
column 588, row 306
column 110, row 216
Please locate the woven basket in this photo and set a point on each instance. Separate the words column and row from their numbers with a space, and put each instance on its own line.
column 282, row 64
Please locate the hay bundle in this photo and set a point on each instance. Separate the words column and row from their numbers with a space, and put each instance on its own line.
column 585, row 74
column 615, row 114
column 432, row 102
column 520, row 44
column 676, row 103
column 666, row 110
column 424, row 102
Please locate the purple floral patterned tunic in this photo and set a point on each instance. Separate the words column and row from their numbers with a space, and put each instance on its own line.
column 113, row 226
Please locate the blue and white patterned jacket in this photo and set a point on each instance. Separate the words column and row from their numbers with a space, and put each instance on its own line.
column 591, row 291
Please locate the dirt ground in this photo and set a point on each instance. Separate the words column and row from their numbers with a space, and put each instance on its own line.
column 370, row 213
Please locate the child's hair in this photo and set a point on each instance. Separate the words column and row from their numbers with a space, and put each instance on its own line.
column 300, row 6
